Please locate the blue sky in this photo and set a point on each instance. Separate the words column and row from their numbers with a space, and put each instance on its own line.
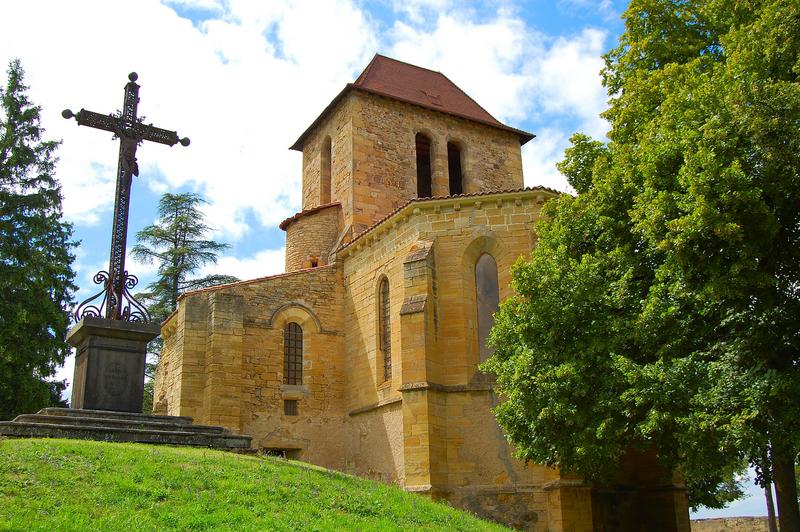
column 243, row 79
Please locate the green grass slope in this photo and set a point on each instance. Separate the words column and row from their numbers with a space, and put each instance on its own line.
column 87, row 485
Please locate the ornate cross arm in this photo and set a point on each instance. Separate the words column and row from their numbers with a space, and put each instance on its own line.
column 95, row 120
column 116, row 125
column 156, row 134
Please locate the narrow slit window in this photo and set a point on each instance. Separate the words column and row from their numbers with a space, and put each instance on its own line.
column 325, row 172
column 292, row 354
column 488, row 300
column 454, row 169
column 423, row 166
column 290, row 407
column 385, row 329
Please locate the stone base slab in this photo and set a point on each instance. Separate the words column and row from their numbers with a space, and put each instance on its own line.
column 115, row 426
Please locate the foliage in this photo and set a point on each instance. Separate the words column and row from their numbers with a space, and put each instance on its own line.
column 661, row 307
column 80, row 485
column 35, row 257
column 177, row 243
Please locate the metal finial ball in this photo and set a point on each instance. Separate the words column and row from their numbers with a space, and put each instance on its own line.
column 185, row 141
column 66, row 113
column 133, row 76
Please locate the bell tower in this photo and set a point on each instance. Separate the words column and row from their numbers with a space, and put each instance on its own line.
column 398, row 132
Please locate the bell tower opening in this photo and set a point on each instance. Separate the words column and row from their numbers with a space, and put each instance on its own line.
column 423, row 166
column 454, row 169
column 325, row 172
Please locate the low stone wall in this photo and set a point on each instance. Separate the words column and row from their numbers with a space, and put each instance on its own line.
column 731, row 524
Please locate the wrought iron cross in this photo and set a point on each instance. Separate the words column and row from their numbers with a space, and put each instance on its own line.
column 118, row 303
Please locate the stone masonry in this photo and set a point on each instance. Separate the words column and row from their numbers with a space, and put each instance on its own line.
column 428, row 427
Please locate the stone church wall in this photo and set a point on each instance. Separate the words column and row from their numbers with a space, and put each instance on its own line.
column 479, row 473
column 373, row 156
column 338, row 126
column 375, row 448
column 311, row 236
column 362, row 273
column 452, row 446
column 230, row 367
column 385, row 177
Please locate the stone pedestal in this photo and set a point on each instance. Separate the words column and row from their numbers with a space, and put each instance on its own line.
column 109, row 363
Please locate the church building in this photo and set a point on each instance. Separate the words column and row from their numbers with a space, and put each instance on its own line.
column 364, row 355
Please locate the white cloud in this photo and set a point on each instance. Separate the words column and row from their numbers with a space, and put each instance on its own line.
column 223, row 84
column 211, row 5
column 416, row 10
column 243, row 97
column 605, row 8
column 261, row 264
column 539, row 158
column 485, row 59
column 519, row 75
column 66, row 372
column 245, row 83
column 567, row 80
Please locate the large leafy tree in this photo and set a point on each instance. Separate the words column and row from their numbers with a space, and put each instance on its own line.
column 35, row 257
column 661, row 307
column 177, row 243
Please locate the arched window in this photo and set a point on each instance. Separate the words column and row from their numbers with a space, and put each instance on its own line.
column 385, row 329
column 488, row 300
column 454, row 169
column 423, row 166
column 292, row 354
column 325, row 172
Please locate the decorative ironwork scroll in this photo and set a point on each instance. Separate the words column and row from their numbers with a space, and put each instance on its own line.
column 117, row 302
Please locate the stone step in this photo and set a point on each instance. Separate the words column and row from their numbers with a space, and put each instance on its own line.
column 26, row 429
column 107, row 414
column 133, row 423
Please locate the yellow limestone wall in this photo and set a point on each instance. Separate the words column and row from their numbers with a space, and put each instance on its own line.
column 373, row 150
column 452, row 447
column 337, row 126
column 312, row 236
column 229, row 369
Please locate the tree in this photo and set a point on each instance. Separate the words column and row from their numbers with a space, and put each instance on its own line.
column 177, row 243
column 35, row 257
column 661, row 307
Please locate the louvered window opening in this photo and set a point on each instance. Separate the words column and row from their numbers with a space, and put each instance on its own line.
column 293, row 354
column 385, row 330
column 424, row 184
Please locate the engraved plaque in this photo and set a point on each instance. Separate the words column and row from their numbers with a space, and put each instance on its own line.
column 115, row 379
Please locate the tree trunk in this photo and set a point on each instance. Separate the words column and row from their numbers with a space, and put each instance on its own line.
column 785, row 489
column 773, row 526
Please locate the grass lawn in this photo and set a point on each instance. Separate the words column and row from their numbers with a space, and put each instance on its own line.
column 88, row 485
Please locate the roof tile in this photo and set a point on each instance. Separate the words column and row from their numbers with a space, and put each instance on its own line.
column 418, row 86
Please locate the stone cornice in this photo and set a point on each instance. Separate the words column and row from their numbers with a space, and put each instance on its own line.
column 417, row 206
column 446, row 388
column 374, row 406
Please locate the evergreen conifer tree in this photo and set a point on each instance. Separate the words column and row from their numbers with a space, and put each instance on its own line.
column 36, row 273
column 177, row 244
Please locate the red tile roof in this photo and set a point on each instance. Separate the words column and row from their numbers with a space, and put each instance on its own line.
column 418, row 86
column 436, row 198
column 284, row 224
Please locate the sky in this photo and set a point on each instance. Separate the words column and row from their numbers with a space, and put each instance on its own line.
column 243, row 79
